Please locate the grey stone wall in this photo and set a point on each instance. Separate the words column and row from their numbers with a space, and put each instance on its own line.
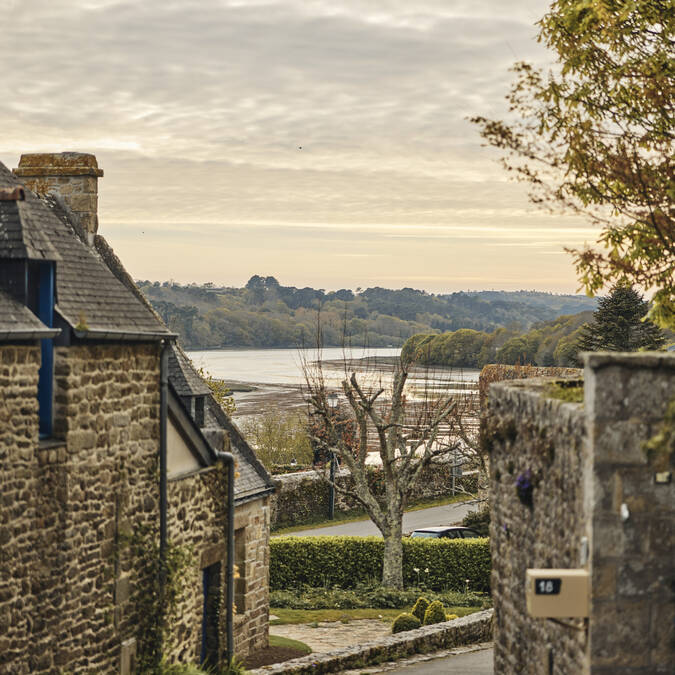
column 592, row 479
column 632, row 628
column 303, row 497
column 527, row 431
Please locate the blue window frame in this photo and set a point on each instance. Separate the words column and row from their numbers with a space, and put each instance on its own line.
column 46, row 376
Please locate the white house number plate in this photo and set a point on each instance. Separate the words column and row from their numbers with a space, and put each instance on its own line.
column 547, row 586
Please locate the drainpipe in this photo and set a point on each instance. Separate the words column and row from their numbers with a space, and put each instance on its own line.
column 163, row 412
column 228, row 458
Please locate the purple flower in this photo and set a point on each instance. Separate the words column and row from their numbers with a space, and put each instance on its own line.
column 524, row 487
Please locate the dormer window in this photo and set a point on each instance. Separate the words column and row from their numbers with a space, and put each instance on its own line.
column 28, row 274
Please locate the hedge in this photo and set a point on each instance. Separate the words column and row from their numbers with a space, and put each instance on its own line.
column 346, row 561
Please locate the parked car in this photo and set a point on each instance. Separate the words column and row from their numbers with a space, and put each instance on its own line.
column 445, row 533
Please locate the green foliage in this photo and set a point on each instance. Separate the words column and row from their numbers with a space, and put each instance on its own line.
column 450, row 617
column 405, row 622
column 220, row 392
column 595, row 136
column 570, row 391
column 420, row 607
column 368, row 595
column 435, row 613
column 345, row 561
column 155, row 608
column 619, row 324
column 547, row 343
column 660, row 448
column 479, row 521
column 267, row 314
column 279, row 437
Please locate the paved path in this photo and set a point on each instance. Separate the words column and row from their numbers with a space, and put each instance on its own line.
column 471, row 660
column 450, row 514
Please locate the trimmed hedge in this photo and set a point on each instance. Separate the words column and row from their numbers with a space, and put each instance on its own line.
column 346, row 561
column 405, row 622
column 435, row 613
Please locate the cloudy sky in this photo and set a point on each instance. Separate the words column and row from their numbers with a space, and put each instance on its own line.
column 324, row 142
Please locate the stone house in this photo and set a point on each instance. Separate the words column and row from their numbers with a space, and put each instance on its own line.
column 84, row 420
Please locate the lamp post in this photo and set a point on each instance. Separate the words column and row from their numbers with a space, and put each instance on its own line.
column 332, row 401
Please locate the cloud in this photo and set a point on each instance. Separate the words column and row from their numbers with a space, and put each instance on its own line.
column 326, row 116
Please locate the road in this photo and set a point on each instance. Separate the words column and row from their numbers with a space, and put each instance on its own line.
column 450, row 514
column 470, row 663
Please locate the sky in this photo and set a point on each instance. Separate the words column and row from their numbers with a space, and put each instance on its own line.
column 323, row 142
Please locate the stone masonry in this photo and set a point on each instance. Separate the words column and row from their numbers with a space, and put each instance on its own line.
column 529, row 432
column 18, row 431
column 251, row 623
column 591, row 479
column 632, row 627
column 73, row 175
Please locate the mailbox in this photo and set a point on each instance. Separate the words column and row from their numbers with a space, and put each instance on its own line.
column 557, row 593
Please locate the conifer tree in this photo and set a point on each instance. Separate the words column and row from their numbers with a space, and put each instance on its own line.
column 618, row 324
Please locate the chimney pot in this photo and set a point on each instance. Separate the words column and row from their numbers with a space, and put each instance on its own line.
column 72, row 175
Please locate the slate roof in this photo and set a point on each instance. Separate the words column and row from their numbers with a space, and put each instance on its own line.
column 88, row 294
column 17, row 322
column 20, row 235
column 184, row 378
column 253, row 478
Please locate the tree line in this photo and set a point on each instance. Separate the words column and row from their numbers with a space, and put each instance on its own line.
column 618, row 324
column 266, row 314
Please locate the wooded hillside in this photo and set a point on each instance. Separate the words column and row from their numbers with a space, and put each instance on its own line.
column 266, row 314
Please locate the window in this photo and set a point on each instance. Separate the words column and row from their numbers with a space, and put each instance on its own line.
column 211, row 614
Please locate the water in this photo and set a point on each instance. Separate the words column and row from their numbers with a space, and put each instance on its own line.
column 272, row 366
column 279, row 377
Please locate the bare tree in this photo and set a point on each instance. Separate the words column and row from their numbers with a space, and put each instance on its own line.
column 408, row 432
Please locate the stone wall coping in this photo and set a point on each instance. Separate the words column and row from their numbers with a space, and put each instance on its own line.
column 299, row 476
column 470, row 629
column 597, row 360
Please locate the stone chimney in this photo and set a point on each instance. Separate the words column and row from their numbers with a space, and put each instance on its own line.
column 72, row 175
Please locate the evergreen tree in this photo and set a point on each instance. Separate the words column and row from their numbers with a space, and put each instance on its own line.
column 617, row 324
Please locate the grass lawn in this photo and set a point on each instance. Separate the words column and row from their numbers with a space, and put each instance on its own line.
column 278, row 641
column 316, row 615
column 352, row 517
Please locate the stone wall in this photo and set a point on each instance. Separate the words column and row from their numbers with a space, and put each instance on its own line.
column 303, row 497
column 197, row 521
column 529, row 432
column 252, row 522
column 632, row 628
column 80, row 518
column 18, row 556
column 105, row 489
column 591, row 478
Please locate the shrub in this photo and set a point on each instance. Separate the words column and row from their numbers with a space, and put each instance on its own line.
column 450, row 617
column 420, row 607
column 369, row 595
column 345, row 561
column 479, row 521
column 279, row 437
column 405, row 621
column 435, row 613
